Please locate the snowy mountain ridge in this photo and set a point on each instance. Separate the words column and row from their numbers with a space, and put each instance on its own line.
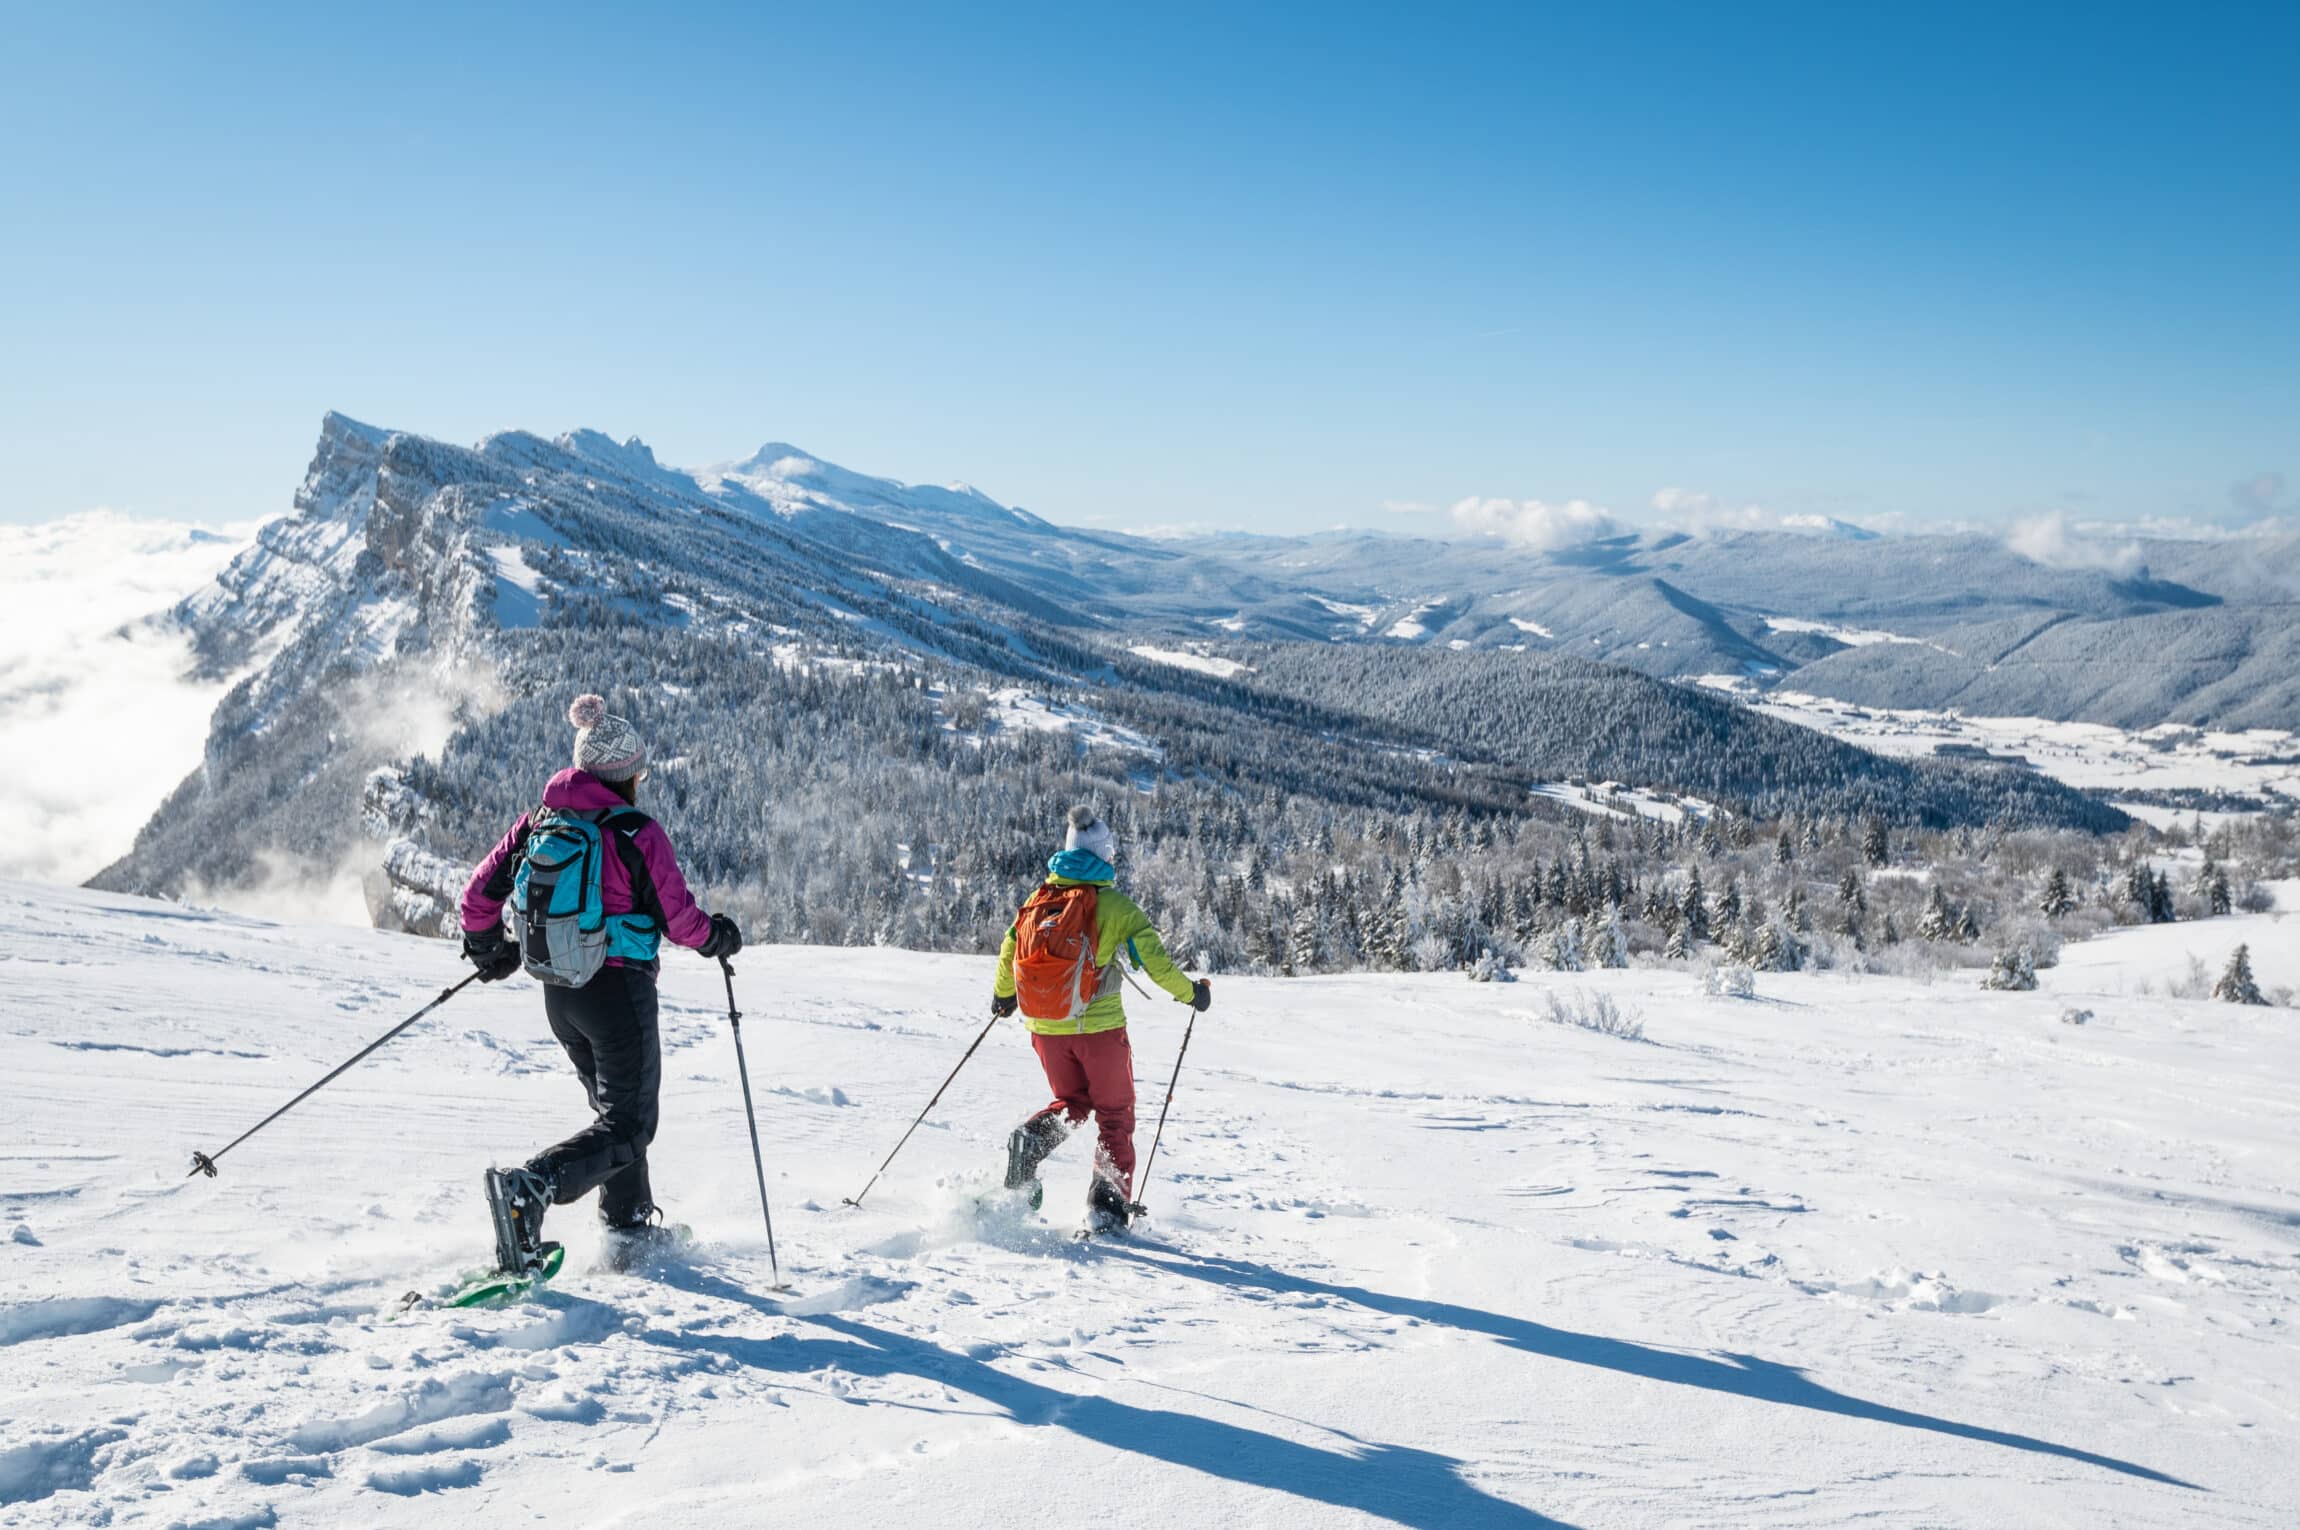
column 416, row 614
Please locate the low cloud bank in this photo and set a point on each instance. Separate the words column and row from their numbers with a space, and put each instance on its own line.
column 100, row 722
column 1535, row 524
column 2053, row 542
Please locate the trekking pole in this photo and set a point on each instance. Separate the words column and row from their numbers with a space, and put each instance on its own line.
column 857, row 1199
column 205, row 1163
column 758, row 1164
column 1138, row 1208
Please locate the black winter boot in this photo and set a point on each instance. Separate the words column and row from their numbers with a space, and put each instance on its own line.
column 1027, row 1148
column 1107, row 1209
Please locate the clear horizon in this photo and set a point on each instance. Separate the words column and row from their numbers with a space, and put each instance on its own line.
column 1275, row 274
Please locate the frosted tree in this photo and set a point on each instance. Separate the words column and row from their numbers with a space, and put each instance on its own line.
column 2236, row 985
column 1939, row 922
column 1693, row 911
column 2216, row 899
column 2140, row 891
column 2057, row 899
column 2013, row 971
column 1561, row 948
column 1875, row 849
column 1613, row 940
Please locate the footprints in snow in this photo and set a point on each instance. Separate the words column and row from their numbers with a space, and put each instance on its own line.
column 64, row 1317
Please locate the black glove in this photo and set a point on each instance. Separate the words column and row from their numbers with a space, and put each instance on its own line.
column 724, row 939
column 1203, row 998
column 1003, row 1005
column 495, row 957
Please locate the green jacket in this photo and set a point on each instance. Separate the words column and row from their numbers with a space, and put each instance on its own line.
column 1125, row 930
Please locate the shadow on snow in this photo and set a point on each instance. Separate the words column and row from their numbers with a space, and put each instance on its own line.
column 1417, row 1488
column 1731, row 1374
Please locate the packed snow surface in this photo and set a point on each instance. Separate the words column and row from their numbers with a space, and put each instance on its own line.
column 1850, row 1250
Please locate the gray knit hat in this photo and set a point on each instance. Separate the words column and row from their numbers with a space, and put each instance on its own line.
column 605, row 745
column 1090, row 834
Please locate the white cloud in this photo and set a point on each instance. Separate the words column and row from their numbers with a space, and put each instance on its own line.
column 1536, row 524
column 99, row 721
column 1690, row 510
column 2053, row 542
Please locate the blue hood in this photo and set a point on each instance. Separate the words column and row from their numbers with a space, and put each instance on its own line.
column 1081, row 866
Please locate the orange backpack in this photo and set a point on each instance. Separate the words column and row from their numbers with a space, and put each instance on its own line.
column 1055, row 938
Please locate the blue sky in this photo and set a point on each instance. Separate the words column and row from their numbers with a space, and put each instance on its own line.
column 1171, row 265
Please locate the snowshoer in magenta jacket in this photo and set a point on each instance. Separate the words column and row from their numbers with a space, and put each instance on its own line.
column 607, row 1025
column 684, row 923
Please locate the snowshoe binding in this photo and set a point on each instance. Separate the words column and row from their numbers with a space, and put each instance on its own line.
column 517, row 1199
column 1107, row 1209
column 1028, row 1147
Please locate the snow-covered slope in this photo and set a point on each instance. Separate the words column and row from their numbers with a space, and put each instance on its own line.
column 1853, row 1250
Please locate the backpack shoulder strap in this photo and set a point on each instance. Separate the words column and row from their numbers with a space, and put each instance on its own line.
column 499, row 885
column 622, row 825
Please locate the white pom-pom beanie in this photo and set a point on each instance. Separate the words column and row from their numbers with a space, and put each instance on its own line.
column 605, row 745
column 1092, row 835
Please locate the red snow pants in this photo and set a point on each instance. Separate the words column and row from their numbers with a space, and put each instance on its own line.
column 1095, row 1072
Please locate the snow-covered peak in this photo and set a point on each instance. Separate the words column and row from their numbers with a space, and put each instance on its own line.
column 775, row 459
column 631, row 454
column 791, row 479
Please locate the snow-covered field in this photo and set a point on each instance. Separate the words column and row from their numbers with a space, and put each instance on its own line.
column 2262, row 763
column 1852, row 1250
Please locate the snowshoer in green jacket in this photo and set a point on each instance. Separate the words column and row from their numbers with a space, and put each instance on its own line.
column 1059, row 967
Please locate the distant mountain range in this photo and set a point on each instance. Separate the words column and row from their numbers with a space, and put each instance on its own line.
column 444, row 602
column 2194, row 632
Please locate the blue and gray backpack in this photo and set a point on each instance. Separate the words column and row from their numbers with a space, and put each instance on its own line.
column 558, row 910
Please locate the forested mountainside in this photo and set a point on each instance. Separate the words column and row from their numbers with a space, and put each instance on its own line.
column 2133, row 633
column 866, row 729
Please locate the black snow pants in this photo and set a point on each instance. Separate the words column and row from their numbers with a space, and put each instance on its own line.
column 607, row 1028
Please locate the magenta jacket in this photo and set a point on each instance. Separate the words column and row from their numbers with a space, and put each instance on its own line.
column 580, row 791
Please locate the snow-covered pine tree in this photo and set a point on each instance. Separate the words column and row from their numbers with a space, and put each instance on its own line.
column 1678, row 948
column 2057, row 899
column 1613, row 940
column 2013, row 971
column 1693, row 910
column 1938, row 923
column 1875, row 848
column 2236, row 985
column 2216, row 899
column 2140, row 892
column 1561, row 948
column 2160, row 910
